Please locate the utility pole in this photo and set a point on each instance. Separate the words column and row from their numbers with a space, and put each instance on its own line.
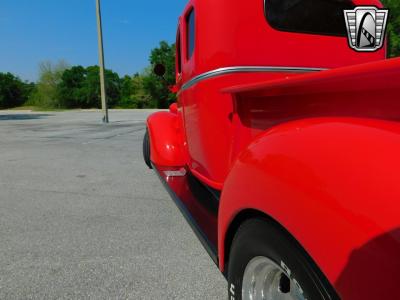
column 101, row 62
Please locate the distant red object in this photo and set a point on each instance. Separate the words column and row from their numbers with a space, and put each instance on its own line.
column 173, row 89
column 282, row 150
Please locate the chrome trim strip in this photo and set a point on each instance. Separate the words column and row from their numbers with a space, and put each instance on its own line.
column 245, row 69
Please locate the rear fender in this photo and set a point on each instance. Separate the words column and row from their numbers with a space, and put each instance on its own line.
column 333, row 184
column 166, row 139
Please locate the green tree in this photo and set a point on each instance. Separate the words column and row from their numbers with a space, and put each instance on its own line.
column 13, row 92
column 127, row 88
column 133, row 93
column 140, row 97
column 160, row 95
column 393, row 27
column 45, row 94
column 80, row 88
column 28, row 89
column 92, row 87
column 70, row 91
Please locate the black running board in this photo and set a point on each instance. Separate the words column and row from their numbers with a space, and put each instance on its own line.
column 196, row 202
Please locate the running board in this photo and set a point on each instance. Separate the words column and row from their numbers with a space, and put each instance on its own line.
column 197, row 203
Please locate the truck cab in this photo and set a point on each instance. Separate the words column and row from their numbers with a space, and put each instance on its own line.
column 222, row 45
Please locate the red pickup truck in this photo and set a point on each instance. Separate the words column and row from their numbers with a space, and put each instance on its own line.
column 283, row 149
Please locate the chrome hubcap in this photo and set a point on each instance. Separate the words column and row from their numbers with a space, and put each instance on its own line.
column 264, row 280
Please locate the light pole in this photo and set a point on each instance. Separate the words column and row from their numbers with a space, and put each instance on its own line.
column 101, row 63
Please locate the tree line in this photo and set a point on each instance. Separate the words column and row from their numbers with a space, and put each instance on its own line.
column 61, row 86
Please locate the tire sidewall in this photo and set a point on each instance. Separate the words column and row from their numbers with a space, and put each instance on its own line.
column 259, row 238
column 146, row 149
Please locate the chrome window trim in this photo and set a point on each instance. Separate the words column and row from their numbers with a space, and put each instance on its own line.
column 245, row 69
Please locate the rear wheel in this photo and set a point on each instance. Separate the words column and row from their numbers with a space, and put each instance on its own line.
column 265, row 263
column 146, row 149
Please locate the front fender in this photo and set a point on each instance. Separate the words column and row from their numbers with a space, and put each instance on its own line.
column 334, row 185
column 166, row 142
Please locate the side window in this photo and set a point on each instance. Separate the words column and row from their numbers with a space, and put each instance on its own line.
column 191, row 34
column 178, row 52
column 324, row 17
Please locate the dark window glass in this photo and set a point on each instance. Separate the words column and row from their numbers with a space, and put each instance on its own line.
column 178, row 52
column 325, row 17
column 191, row 34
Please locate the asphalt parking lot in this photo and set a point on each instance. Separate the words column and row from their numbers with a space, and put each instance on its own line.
column 82, row 218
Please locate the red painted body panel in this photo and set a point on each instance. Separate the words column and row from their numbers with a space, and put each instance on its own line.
column 208, row 125
column 365, row 91
column 334, row 185
column 166, row 140
column 316, row 152
column 238, row 34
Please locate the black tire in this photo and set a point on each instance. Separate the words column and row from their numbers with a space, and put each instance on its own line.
column 258, row 237
column 146, row 149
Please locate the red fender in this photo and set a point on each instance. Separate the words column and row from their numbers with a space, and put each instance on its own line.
column 165, row 133
column 334, row 184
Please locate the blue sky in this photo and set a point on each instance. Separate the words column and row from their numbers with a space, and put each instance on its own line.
column 40, row 30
